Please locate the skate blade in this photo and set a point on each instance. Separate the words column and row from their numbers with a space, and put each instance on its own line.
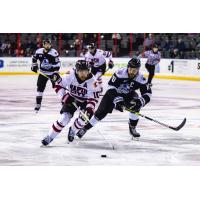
column 43, row 146
column 135, row 138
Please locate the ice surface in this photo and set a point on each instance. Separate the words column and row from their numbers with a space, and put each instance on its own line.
column 21, row 130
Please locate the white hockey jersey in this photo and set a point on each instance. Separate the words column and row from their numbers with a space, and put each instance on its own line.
column 87, row 91
column 99, row 57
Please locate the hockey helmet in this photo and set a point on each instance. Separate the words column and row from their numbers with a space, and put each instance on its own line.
column 91, row 46
column 46, row 40
column 82, row 65
column 134, row 62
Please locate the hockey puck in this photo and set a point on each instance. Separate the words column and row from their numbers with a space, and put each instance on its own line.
column 103, row 156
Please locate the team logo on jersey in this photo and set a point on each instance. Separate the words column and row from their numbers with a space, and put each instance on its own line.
column 45, row 64
column 77, row 90
column 124, row 89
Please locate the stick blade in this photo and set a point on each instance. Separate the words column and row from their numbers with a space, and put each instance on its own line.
column 180, row 126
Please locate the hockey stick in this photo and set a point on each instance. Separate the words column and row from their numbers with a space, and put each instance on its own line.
column 177, row 128
column 104, row 73
column 50, row 79
column 86, row 119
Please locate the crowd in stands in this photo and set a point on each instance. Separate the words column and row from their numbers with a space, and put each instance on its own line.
column 171, row 45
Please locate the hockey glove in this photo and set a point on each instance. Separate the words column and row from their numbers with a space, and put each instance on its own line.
column 91, row 63
column 34, row 67
column 136, row 104
column 55, row 77
column 119, row 103
column 110, row 64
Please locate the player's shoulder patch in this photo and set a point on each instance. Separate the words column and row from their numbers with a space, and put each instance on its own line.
column 39, row 51
column 53, row 52
column 141, row 79
column 93, row 81
column 122, row 73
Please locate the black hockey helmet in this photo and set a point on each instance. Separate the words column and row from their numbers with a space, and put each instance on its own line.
column 91, row 45
column 82, row 65
column 134, row 62
column 46, row 40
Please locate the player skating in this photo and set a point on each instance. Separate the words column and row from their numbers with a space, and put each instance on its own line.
column 82, row 91
column 97, row 59
column 121, row 94
column 49, row 65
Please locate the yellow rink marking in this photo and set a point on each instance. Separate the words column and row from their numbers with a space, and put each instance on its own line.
column 173, row 77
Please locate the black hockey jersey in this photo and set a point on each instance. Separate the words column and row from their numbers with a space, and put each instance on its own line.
column 125, row 85
column 49, row 61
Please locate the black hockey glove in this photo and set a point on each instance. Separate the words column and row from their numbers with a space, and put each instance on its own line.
column 91, row 63
column 55, row 77
column 119, row 103
column 136, row 104
column 110, row 64
column 34, row 67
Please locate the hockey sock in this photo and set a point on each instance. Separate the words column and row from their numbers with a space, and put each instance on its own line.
column 59, row 125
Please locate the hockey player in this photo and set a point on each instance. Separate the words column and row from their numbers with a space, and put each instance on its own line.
column 96, row 57
column 82, row 91
column 121, row 94
column 49, row 65
column 153, row 58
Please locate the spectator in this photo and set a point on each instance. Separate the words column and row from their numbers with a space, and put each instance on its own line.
column 139, row 41
column 192, row 45
column 66, row 48
column 148, row 42
column 19, row 51
column 180, row 46
column 29, row 47
column 6, row 49
column 78, row 46
column 174, row 53
column 116, row 37
column 38, row 42
column 187, row 46
column 167, row 45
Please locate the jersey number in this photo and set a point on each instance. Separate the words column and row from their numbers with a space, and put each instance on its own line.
column 113, row 79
